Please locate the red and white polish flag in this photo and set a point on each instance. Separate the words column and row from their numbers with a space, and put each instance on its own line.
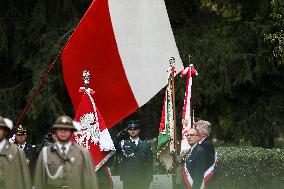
column 93, row 133
column 126, row 45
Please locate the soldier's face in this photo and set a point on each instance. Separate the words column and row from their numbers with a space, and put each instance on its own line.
column 3, row 133
column 192, row 137
column 63, row 135
column 133, row 132
column 21, row 138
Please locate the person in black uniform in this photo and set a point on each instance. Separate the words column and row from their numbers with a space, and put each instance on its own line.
column 48, row 139
column 204, row 130
column 195, row 162
column 136, row 168
column 30, row 151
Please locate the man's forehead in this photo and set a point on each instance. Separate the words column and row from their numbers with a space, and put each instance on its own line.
column 192, row 131
column 198, row 125
column 133, row 129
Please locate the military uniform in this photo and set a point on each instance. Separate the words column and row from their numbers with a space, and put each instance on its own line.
column 136, row 170
column 76, row 172
column 58, row 170
column 14, row 172
column 30, row 150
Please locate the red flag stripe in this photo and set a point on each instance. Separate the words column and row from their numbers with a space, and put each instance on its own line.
column 97, row 42
column 126, row 52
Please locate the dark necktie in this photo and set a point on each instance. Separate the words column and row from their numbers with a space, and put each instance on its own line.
column 63, row 148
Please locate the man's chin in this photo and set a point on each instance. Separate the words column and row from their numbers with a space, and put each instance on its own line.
column 63, row 140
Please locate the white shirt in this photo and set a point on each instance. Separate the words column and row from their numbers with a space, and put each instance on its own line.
column 67, row 146
column 201, row 141
column 135, row 140
column 2, row 144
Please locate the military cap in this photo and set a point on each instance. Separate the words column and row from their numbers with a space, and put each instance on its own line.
column 64, row 122
column 5, row 122
column 134, row 124
column 21, row 130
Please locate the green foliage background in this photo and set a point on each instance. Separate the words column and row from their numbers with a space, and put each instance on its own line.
column 237, row 46
column 248, row 168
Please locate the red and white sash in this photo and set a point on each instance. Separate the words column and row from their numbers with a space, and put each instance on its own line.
column 207, row 175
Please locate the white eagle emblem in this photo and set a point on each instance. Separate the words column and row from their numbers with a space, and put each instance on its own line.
column 89, row 132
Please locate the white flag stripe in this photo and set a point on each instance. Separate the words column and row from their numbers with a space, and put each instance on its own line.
column 188, row 108
column 145, row 42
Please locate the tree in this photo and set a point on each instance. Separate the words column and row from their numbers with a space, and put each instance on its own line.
column 275, row 39
column 235, row 45
column 32, row 33
column 239, row 88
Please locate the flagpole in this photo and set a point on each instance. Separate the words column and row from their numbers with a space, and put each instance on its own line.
column 191, row 98
column 172, row 65
column 191, row 105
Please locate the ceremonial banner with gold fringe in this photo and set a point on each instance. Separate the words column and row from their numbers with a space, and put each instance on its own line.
column 165, row 147
column 187, row 107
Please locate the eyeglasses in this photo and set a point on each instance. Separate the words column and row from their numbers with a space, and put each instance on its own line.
column 192, row 135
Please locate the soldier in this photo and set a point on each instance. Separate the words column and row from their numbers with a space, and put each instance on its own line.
column 13, row 164
column 30, row 151
column 136, row 169
column 64, row 164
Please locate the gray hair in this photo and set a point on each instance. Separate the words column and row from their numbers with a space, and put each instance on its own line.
column 204, row 127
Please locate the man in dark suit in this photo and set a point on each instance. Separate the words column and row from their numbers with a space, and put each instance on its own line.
column 195, row 164
column 136, row 170
column 204, row 129
column 29, row 149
